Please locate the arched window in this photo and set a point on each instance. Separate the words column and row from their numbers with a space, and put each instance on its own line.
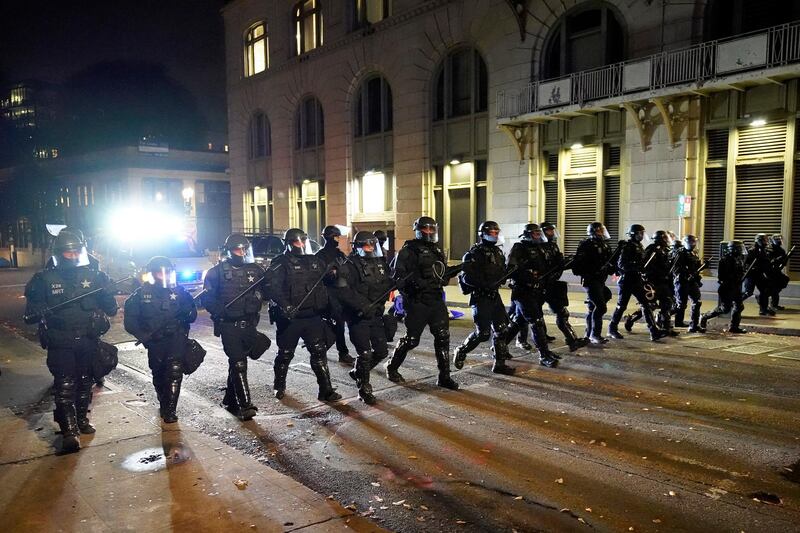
column 587, row 37
column 260, row 139
column 373, row 179
column 256, row 49
column 371, row 11
column 459, row 148
column 309, row 124
column 308, row 25
column 725, row 18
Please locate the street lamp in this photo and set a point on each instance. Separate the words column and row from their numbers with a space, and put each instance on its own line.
column 187, row 194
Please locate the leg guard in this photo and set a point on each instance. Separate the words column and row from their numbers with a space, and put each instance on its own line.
column 572, row 340
column 441, row 344
column 172, row 390
column 281, row 368
column 405, row 345
column 546, row 357
column 65, row 413
column 319, row 364
column 363, row 366
column 470, row 343
column 83, row 397
column 246, row 410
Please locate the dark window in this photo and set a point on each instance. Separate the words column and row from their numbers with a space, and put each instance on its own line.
column 260, row 142
column 373, row 108
column 583, row 39
column 725, row 18
column 309, row 124
column 462, row 85
column 308, row 26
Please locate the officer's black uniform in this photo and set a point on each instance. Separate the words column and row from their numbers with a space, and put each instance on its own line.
column 657, row 272
column 759, row 276
column 778, row 259
column 687, row 279
column 631, row 283
column 236, row 324
column 528, row 259
column 731, row 300
column 300, row 298
column 555, row 290
column 420, row 273
column 484, row 266
column 362, row 287
column 70, row 334
column 158, row 314
column 592, row 264
column 329, row 254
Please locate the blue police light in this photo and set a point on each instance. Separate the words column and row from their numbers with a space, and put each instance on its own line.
column 186, row 275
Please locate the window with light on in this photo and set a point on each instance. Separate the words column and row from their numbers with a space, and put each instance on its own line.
column 256, row 49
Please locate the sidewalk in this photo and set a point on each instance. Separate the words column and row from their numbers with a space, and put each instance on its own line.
column 785, row 323
column 134, row 474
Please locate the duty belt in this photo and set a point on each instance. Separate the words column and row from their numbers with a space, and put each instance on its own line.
column 242, row 323
column 485, row 293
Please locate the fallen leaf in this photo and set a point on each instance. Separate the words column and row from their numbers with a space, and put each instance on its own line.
column 401, row 502
column 290, row 424
column 423, row 508
column 518, row 498
column 461, row 522
column 241, row 484
column 588, row 509
column 672, row 493
column 412, row 456
column 581, row 520
column 420, row 519
column 564, row 510
column 656, row 520
column 374, row 484
column 378, row 499
column 560, row 480
column 407, row 506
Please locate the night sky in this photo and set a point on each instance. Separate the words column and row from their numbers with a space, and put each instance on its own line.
column 51, row 40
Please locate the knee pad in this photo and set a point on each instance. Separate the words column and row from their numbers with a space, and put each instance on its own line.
column 284, row 356
column 64, row 389
column 409, row 342
column 318, row 350
column 483, row 336
column 441, row 336
column 174, row 370
column 239, row 366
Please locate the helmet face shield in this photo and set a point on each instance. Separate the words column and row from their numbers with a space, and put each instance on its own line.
column 643, row 237
column 72, row 258
column 427, row 232
column 243, row 252
column 164, row 277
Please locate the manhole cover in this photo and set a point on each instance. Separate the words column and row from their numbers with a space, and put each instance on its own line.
column 710, row 344
column 752, row 349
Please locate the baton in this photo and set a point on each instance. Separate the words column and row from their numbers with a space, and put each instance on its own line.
column 48, row 310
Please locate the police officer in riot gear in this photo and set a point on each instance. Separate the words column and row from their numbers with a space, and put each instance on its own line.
column 528, row 262
column 730, row 274
column 362, row 287
column 555, row 290
column 778, row 259
column 631, row 283
column 158, row 314
column 592, row 262
column 300, row 298
column 329, row 253
column 70, row 333
column 657, row 272
column 235, row 320
column 420, row 273
column 484, row 268
column 687, row 281
column 758, row 276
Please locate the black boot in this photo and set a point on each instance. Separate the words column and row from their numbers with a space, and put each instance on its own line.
column 172, row 391
column 241, row 388
column 572, row 340
column 695, row 326
column 361, row 372
column 398, row 356
column 500, row 350
column 680, row 314
column 443, row 363
column 346, row 358
column 82, row 400
column 546, row 357
column 319, row 364
column 613, row 325
column 460, row 353
column 655, row 332
column 281, row 368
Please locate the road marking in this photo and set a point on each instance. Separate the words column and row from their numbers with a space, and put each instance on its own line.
column 12, row 286
column 778, row 356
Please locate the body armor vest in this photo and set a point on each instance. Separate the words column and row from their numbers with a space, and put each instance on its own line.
column 158, row 308
column 427, row 254
column 688, row 264
column 529, row 258
column 233, row 281
column 658, row 267
column 302, row 272
column 631, row 259
column 487, row 265
column 373, row 276
column 61, row 286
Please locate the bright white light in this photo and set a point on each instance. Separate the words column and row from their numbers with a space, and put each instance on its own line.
column 373, row 193
column 758, row 122
column 159, row 197
column 134, row 225
column 455, row 161
column 187, row 193
column 576, row 146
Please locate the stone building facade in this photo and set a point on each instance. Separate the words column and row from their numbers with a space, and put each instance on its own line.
column 369, row 113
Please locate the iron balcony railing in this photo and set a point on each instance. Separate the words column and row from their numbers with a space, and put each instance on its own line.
column 698, row 64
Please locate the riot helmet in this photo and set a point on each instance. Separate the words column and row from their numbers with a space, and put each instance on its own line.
column 596, row 230
column 533, row 233
column 366, row 244
column 735, row 247
column 690, row 242
column 69, row 249
column 636, row 232
column 161, row 272
column 426, row 229
column 296, row 242
column 330, row 235
column 383, row 239
column 238, row 249
column 661, row 238
column 760, row 240
column 550, row 231
column 776, row 240
column 489, row 232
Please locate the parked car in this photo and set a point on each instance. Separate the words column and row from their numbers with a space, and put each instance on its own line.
column 266, row 247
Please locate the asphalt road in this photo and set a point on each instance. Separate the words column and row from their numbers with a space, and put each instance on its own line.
column 698, row 433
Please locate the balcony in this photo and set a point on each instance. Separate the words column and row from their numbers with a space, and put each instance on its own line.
column 765, row 56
